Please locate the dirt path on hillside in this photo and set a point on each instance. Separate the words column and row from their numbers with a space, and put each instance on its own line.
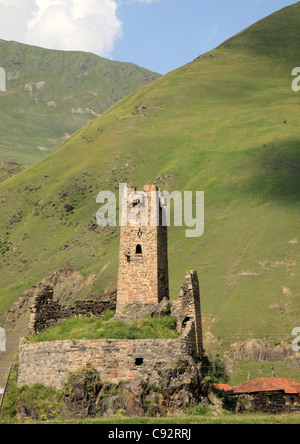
column 12, row 345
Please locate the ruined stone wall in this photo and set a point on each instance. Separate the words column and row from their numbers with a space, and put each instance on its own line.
column 49, row 363
column 188, row 307
column 45, row 312
column 162, row 262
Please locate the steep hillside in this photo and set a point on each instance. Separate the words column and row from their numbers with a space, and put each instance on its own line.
column 226, row 124
column 50, row 94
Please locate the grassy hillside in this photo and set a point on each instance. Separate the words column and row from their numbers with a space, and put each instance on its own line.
column 226, row 124
column 50, row 94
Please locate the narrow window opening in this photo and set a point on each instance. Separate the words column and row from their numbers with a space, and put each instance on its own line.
column 184, row 322
column 139, row 361
column 138, row 249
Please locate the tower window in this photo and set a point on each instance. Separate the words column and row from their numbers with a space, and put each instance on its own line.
column 138, row 249
column 184, row 322
column 139, row 361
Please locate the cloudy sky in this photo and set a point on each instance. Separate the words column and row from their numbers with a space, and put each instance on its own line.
column 160, row 35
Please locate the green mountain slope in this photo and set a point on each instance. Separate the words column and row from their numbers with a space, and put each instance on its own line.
column 226, row 124
column 50, row 94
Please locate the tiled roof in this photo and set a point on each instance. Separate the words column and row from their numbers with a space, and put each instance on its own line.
column 267, row 385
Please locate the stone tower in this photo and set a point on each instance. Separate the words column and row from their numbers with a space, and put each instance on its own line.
column 143, row 278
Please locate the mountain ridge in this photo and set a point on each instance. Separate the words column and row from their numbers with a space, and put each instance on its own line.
column 50, row 94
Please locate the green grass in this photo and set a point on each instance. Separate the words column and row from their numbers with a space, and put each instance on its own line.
column 244, row 370
column 51, row 94
column 8, row 170
column 45, row 405
column 256, row 418
column 227, row 124
column 105, row 328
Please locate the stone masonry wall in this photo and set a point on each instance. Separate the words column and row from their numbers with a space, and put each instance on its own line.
column 188, row 308
column 143, row 257
column 45, row 312
column 49, row 363
column 272, row 402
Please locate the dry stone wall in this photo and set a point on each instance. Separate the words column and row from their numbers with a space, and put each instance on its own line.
column 49, row 363
column 272, row 402
column 188, row 308
column 45, row 312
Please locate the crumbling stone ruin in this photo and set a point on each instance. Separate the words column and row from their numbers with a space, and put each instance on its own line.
column 45, row 312
column 143, row 289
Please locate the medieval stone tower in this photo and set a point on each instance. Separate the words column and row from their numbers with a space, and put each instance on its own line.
column 143, row 277
column 143, row 283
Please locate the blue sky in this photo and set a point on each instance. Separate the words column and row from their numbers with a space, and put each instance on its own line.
column 160, row 35
column 166, row 34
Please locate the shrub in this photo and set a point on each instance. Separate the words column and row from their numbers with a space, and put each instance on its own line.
column 219, row 373
column 200, row 409
column 38, row 402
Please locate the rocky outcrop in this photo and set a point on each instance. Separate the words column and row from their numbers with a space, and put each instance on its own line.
column 260, row 350
column 172, row 392
column 66, row 283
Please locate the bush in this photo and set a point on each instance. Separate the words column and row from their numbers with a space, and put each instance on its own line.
column 198, row 409
column 38, row 403
column 219, row 373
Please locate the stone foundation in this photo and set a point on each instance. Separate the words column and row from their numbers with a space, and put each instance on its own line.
column 49, row 363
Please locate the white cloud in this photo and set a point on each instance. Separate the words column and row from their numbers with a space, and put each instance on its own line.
column 130, row 2
column 14, row 15
column 86, row 25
